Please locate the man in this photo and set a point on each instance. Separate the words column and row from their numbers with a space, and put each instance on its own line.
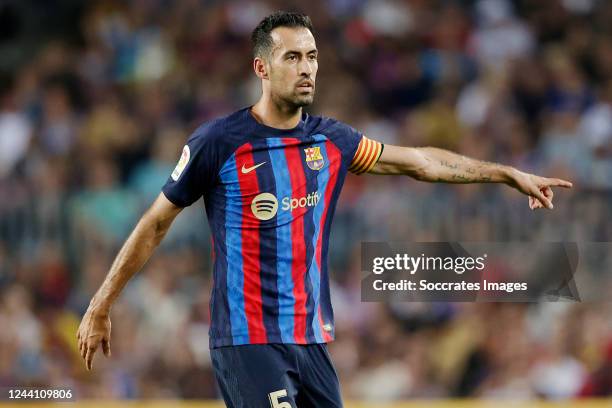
column 270, row 176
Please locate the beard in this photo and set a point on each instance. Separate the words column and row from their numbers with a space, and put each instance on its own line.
column 294, row 100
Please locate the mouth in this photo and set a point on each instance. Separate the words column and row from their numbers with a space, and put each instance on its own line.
column 305, row 86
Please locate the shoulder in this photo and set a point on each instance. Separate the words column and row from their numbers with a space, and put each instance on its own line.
column 323, row 123
column 343, row 136
column 332, row 127
column 213, row 131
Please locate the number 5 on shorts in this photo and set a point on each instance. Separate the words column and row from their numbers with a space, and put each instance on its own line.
column 274, row 396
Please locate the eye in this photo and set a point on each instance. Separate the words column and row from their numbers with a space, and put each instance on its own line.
column 292, row 57
column 312, row 57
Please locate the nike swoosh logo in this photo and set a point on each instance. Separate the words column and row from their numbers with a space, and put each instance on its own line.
column 246, row 170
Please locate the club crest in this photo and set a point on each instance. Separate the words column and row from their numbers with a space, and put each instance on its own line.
column 314, row 159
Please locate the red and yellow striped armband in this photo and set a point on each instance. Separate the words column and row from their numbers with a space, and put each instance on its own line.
column 366, row 156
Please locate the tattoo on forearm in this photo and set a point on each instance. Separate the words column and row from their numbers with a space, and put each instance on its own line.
column 449, row 165
column 461, row 178
column 471, row 173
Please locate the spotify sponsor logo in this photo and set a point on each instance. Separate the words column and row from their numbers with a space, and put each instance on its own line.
column 265, row 205
column 309, row 201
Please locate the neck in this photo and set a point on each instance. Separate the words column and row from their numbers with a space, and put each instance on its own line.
column 276, row 115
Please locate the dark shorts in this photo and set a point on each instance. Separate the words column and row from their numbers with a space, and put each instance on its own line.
column 277, row 376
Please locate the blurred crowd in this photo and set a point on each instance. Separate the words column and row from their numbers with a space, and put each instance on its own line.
column 97, row 99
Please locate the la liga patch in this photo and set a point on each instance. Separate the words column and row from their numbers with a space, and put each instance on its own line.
column 182, row 163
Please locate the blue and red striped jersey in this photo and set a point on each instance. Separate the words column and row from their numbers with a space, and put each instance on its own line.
column 270, row 196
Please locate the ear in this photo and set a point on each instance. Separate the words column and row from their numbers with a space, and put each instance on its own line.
column 259, row 66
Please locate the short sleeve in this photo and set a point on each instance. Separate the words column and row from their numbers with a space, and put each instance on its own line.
column 358, row 152
column 345, row 137
column 195, row 171
column 367, row 154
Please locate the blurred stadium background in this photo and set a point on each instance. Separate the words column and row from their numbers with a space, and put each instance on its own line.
column 98, row 97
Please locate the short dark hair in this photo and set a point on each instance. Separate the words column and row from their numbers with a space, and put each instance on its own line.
column 262, row 41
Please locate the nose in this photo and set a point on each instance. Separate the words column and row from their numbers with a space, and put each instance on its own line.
column 305, row 68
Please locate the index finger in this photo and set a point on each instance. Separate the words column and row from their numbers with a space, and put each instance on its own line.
column 558, row 182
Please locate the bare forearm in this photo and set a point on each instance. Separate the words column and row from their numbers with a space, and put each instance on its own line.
column 446, row 166
column 439, row 165
column 133, row 255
